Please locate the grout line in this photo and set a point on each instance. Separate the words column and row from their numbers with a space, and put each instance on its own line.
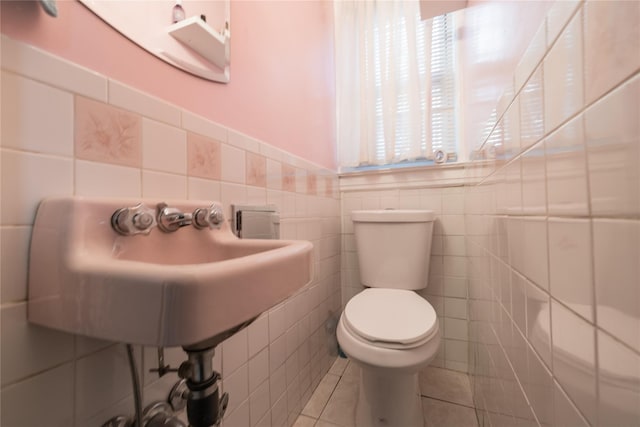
column 446, row 401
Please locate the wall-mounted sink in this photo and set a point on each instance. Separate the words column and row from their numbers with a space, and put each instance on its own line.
column 178, row 288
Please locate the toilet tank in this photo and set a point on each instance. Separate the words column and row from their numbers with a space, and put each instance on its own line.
column 394, row 247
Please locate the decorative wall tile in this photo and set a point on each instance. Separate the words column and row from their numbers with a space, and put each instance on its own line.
column 107, row 134
column 288, row 178
column 203, row 157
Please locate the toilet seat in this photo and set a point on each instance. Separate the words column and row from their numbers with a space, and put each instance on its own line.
column 391, row 318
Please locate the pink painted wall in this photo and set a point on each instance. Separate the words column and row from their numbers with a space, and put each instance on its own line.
column 282, row 87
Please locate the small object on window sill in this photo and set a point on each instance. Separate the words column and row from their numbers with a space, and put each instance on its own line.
column 439, row 156
column 177, row 14
column 50, row 7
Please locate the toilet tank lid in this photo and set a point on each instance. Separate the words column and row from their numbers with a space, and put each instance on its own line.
column 393, row 215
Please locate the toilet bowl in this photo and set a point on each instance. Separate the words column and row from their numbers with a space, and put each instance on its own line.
column 389, row 330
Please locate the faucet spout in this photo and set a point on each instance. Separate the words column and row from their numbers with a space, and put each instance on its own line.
column 171, row 219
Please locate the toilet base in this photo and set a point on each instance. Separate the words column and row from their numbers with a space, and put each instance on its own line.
column 388, row 398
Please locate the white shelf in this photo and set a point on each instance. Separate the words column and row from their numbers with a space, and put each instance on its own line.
column 196, row 34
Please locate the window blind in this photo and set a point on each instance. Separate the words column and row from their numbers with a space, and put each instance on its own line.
column 439, row 68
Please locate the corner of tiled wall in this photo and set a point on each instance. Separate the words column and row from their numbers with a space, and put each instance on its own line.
column 553, row 229
column 67, row 130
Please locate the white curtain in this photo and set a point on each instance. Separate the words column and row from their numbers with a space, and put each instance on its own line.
column 383, row 53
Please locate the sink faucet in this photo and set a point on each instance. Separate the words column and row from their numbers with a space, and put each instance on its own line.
column 170, row 219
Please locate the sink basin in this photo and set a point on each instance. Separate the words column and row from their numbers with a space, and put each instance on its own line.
column 175, row 288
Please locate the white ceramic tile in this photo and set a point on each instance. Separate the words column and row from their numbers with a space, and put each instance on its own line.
column 274, row 174
column 570, row 261
column 258, row 334
column 277, row 384
column 265, row 421
column 456, row 308
column 164, row 148
column 518, row 313
column 456, row 329
column 534, row 190
column 566, row 170
column 574, row 358
column 613, row 151
column 565, row 412
column 102, row 379
column 511, row 129
column 39, row 65
column 277, row 322
column 27, row 179
column 616, row 252
column 558, row 16
column 26, row 348
column 233, row 164
column 244, row 142
column 14, row 263
column 51, row 392
column 203, row 126
column 277, row 353
column 105, row 180
column 563, row 76
column 203, row 189
column 279, row 412
column 532, row 110
column 36, row 117
column 453, row 203
column 259, row 403
column 237, row 385
column 612, row 42
column 534, row 251
column 452, row 225
column 539, row 389
column 235, row 352
column 531, row 58
column 132, row 99
column 157, row 184
column 619, row 376
column 456, row 351
column 258, row 369
column 538, row 306
column 240, row 417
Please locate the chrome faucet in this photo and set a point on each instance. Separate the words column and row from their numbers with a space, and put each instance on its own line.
column 170, row 219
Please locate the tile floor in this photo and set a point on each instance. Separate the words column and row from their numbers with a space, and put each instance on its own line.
column 446, row 398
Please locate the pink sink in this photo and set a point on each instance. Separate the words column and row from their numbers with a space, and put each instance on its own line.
column 161, row 289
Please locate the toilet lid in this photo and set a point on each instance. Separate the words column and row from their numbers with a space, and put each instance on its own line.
column 390, row 315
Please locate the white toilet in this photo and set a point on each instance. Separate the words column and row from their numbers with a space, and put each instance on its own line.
column 389, row 330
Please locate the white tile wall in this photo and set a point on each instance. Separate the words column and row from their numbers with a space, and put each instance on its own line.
column 55, row 379
column 554, row 261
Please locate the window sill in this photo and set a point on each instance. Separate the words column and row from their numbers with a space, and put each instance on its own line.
column 399, row 167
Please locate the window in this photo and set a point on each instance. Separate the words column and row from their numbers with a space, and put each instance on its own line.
column 396, row 83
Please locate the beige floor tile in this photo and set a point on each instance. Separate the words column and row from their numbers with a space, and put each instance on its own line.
column 352, row 370
column 443, row 414
column 341, row 408
column 323, row 423
column 304, row 421
column 320, row 396
column 339, row 366
column 446, row 385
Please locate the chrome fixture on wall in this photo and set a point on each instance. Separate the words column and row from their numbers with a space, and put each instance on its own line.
column 141, row 219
